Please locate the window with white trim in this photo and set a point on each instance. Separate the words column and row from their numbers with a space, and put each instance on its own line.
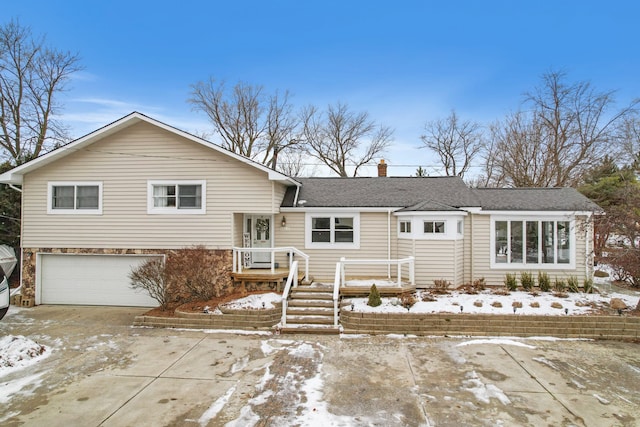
column 332, row 230
column 434, row 227
column 176, row 197
column 533, row 242
column 405, row 227
column 74, row 198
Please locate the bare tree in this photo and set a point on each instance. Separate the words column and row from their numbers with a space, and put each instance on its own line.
column 628, row 134
column 250, row 122
column 343, row 139
column 456, row 142
column 563, row 130
column 292, row 162
column 31, row 76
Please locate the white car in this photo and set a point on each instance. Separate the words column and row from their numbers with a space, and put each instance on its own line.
column 4, row 294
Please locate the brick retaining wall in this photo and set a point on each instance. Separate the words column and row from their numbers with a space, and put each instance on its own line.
column 231, row 319
column 595, row 327
column 443, row 324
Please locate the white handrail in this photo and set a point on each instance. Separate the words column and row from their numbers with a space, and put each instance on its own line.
column 336, row 292
column 398, row 262
column 238, row 257
column 292, row 280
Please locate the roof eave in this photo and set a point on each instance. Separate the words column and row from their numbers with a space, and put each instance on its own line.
column 14, row 176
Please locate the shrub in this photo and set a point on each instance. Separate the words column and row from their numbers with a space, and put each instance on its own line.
column 559, row 285
column 151, row 277
column 201, row 273
column 441, row 284
column 527, row 280
column 588, row 286
column 479, row 284
column 572, row 284
column 407, row 300
column 374, row 297
column 544, row 282
column 511, row 282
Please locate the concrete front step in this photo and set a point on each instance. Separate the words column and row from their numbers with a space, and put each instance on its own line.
column 303, row 288
column 310, row 311
column 312, row 295
column 310, row 320
column 310, row 329
column 310, row 303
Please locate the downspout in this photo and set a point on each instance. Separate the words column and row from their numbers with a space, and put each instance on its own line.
column 389, row 242
column 471, row 244
column 19, row 190
column 586, row 248
column 295, row 198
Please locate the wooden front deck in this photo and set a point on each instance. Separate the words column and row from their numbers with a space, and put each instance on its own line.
column 261, row 275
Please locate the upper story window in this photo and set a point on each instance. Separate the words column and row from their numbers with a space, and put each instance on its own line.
column 405, row 226
column 434, row 227
column 74, row 198
column 337, row 230
column 533, row 242
column 176, row 197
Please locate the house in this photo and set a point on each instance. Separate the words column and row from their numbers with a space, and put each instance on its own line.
column 138, row 188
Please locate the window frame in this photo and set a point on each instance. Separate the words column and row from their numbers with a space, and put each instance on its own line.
column 332, row 244
column 407, row 230
column 434, row 229
column 75, row 210
column 526, row 223
column 176, row 210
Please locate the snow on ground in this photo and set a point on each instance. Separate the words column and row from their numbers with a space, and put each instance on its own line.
column 498, row 341
column 254, row 302
column 484, row 392
column 17, row 352
column 487, row 302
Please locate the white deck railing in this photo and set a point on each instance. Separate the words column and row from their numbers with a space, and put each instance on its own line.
column 238, row 257
column 292, row 281
column 336, row 293
column 410, row 261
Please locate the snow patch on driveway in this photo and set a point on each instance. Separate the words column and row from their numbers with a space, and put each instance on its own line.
column 17, row 352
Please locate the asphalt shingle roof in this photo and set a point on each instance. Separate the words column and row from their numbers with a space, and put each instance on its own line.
column 534, row 199
column 430, row 194
column 396, row 192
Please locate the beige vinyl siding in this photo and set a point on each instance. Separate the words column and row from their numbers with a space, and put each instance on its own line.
column 278, row 195
column 469, row 234
column 459, row 266
column 435, row 259
column 373, row 245
column 482, row 253
column 124, row 162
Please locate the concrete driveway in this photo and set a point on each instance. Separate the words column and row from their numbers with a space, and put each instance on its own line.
column 103, row 372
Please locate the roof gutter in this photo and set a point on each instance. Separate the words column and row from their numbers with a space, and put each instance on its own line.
column 19, row 190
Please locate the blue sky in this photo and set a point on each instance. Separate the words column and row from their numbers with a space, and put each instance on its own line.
column 405, row 62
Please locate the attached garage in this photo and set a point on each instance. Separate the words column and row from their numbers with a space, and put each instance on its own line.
column 90, row 280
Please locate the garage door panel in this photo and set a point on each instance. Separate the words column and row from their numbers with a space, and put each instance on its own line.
column 90, row 280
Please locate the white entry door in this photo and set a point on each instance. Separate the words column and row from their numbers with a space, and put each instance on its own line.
column 261, row 237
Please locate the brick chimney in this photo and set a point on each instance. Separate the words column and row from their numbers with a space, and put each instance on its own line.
column 382, row 168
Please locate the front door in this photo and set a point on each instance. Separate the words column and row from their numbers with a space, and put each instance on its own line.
column 260, row 228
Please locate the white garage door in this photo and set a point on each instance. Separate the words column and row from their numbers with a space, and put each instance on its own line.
column 90, row 280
